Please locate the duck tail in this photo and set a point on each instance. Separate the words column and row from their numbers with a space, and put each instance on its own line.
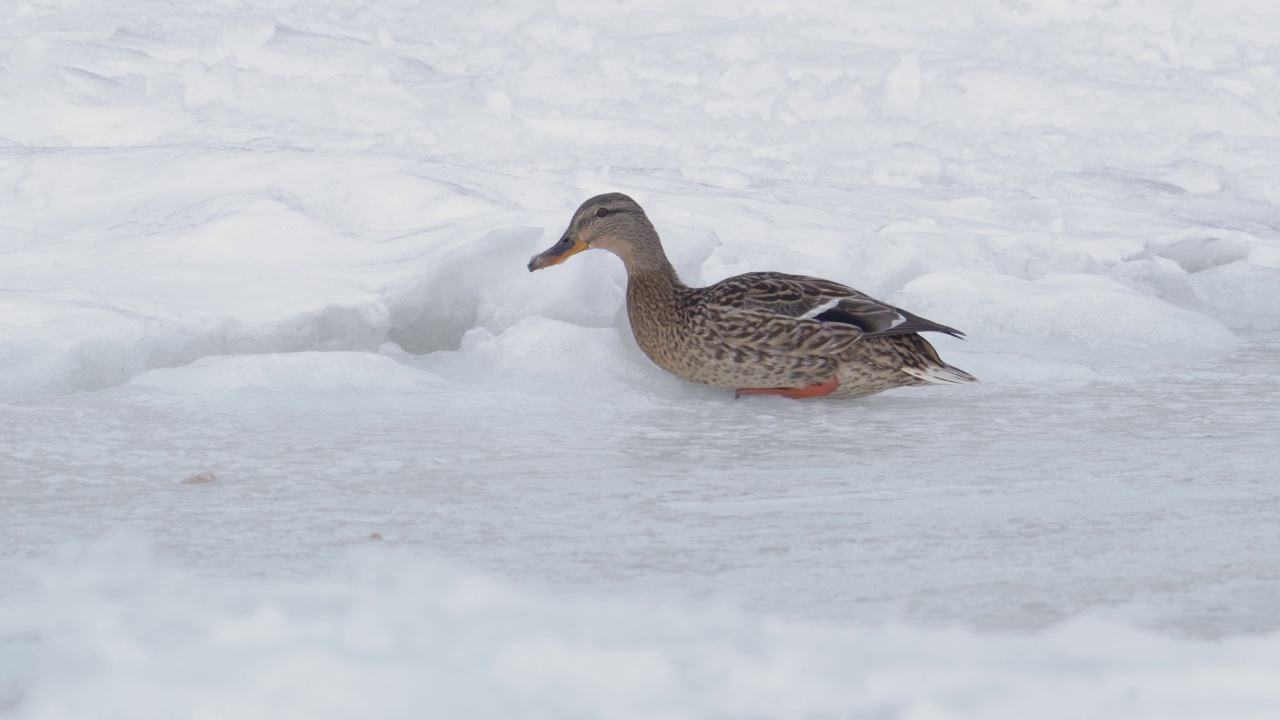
column 941, row 374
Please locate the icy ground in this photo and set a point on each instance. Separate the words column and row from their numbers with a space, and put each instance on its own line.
column 284, row 243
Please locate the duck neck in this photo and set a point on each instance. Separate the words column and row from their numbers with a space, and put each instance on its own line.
column 654, row 291
column 645, row 259
column 658, row 273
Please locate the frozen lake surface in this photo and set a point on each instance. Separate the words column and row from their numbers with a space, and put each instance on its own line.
column 285, row 244
column 1008, row 506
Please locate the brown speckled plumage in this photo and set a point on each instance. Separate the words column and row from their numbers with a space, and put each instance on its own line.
column 757, row 330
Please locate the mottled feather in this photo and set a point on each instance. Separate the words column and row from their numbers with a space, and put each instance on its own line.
column 799, row 296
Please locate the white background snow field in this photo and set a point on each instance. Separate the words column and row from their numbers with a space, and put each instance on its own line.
column 284, row 242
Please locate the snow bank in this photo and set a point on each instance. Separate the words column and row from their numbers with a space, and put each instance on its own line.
column 1084, row 312
column 485, row 284
column 117, row 635
column 334, row 177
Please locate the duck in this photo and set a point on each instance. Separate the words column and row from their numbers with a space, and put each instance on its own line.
column 759, row 333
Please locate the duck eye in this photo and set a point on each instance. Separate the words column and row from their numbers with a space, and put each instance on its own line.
column 602, row 212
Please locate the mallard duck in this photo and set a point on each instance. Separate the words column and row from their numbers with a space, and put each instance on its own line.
column 761, row 333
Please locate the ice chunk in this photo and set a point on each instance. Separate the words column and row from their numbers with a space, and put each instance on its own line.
column 1242, row 294
column 551, row 357
column 66, row 341
column 300, row 372
column 486, row 283
column 902, row 85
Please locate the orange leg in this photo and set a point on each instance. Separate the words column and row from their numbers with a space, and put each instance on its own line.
column 818, row 390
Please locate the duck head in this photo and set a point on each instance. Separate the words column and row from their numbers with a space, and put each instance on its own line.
column 612, row 221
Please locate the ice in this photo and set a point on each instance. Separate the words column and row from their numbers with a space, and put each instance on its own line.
column 282, row 248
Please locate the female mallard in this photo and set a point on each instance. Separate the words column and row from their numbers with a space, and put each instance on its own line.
column 761, row 333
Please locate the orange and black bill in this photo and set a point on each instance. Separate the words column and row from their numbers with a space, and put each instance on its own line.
column 558, row 253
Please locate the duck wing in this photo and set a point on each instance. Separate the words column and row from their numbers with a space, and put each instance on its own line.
column 800, row 297
column 757, row 332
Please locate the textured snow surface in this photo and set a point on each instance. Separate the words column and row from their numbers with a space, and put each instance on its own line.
column 288, row 430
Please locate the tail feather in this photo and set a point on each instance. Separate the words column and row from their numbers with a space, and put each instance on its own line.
column 940, row 374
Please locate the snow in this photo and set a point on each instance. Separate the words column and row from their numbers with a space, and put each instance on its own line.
column 284, row 244
column 390, row 635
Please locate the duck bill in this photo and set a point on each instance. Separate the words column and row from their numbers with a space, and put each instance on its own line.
column 556, row 254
